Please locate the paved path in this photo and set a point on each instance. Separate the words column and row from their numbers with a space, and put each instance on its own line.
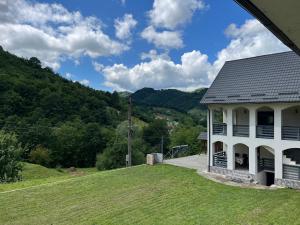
column 198, row 162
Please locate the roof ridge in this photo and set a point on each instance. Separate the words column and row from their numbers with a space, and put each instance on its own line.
column 258, row 56
column 266, row 78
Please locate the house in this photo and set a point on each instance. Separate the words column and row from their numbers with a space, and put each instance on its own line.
column 202, row 138
column 254, row 120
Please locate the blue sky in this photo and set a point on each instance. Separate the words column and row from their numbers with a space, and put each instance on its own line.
column 186, row 53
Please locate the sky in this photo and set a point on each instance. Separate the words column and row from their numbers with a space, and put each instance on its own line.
column 126, row 45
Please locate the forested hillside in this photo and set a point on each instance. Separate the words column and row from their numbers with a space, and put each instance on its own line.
column 170, row 98
column 61, row 123
column 70, row 120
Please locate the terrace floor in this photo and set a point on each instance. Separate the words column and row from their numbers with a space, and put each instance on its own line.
column 198, row 162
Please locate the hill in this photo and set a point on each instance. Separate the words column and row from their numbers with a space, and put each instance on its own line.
column 146, row 195
column 169, row 98
column 26, row 88
column 62, row 123
column 71, row 121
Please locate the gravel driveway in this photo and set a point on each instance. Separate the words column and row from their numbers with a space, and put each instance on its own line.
column 198, row 162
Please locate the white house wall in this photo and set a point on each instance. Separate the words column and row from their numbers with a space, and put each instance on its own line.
column 291, row 117
column 252, row 142
column 241, row 116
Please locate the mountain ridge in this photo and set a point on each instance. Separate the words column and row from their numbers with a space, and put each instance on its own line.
column 169, row 98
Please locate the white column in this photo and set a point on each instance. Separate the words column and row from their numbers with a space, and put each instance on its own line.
column 252, row 160
column 209, row 135
column 252, row 122
column 230, row 157
column 229, row 122
column 277, row 140
column 278, row 163
column 277, row 124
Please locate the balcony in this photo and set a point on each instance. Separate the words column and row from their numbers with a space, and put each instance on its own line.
column 266, row 164
column 220, row 129
column 291, row 172
column 220, row 159
column 240, row 130
column 290, row 133
column 265, row 131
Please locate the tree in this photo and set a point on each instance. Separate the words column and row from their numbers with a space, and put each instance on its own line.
column 94, row 143
column 66, row 144
column 10, row 156
column 40, row 155
column 187, row 136
column 114, row 156
column 153, row 133
column 35, row 62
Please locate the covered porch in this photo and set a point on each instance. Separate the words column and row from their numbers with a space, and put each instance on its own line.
column 291, row 123
column 265, row 165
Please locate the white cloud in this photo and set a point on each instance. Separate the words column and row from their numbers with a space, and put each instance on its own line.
column 169, row 15
column 69, row 75
column 84, row 82
column 98, row 66
column 52, row 33
column 250, row 39
column 124, row 26
column 123, row 2
column 194, row 70
column 160, row 73
column 153, row 55
column 163, row 39
column 173, row 13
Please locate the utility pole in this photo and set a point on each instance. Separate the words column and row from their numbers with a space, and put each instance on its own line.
column 129, row 131
column 162, row 145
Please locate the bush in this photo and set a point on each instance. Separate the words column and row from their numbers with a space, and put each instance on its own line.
column 115, row 156
column 10, row 156
column 40, row 155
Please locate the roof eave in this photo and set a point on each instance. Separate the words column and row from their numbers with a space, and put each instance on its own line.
column 256, row 12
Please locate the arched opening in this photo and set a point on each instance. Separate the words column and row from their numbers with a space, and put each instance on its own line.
column 219, row 119
column 240, row 120
column 291, row 123
column 265, row 123
column 265, row 165
column 291, row 163
column 219, row 154
column 241, row 157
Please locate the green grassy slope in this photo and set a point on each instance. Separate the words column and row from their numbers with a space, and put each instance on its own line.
column 148, row 195
column 33, row 175
column 34, row 171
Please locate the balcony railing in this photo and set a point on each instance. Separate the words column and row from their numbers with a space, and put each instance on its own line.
column 241, row 130
column 266, row 164
column 291, row 172
column 220, row 159
column 220, row 128
column 290, row 133
column 265, row 131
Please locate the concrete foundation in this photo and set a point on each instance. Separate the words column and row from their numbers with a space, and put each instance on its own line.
column 288, row 183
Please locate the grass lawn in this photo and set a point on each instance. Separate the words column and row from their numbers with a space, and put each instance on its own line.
column 160, row 194
column 33, row 175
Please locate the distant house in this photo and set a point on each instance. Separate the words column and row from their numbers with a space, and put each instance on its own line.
column 254, row 120
column 203, row 141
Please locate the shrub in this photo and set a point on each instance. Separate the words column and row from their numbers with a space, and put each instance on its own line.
column 40, row 155
column 115, row 156
column 10, row 156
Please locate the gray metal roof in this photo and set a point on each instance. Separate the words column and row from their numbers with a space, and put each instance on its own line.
column 202, row 136
column 267, row 78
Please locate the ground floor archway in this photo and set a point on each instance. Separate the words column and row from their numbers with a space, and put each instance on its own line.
column 265, row 165
column 241, row 157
